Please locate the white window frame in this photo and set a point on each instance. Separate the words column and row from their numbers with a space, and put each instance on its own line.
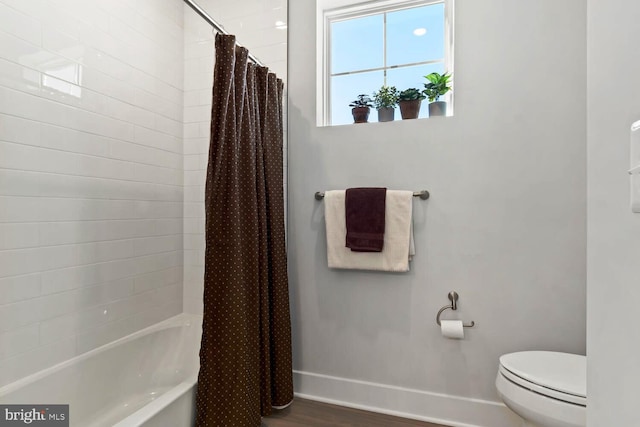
column 367, row 9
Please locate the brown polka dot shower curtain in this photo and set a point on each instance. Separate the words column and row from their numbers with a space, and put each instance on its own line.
column 245, row 354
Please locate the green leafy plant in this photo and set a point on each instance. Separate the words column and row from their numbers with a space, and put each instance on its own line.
column 439, row 85
column 386, row 97
column 362, row 101
column 411, row 94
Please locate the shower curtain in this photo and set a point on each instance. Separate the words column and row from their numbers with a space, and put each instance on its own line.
column 245, row 354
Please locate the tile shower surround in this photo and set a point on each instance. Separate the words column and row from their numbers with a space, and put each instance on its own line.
column 91, row 175
column 103, row 137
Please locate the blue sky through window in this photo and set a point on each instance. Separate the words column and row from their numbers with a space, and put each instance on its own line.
column 405, row 47
column 357, row 44
column 413, row 35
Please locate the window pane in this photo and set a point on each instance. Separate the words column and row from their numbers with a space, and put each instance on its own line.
column 357, row 44
column 408, row 77
column 345, row 89
column 407, row 41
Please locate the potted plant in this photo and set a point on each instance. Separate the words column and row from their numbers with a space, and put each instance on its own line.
column 361, row 108
column 409, row 101
column 385, row 101
column 439, row 85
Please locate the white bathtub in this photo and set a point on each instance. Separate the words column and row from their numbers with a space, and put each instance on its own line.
column 145, row 379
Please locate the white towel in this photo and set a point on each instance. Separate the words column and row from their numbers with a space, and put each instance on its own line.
column 398, row 247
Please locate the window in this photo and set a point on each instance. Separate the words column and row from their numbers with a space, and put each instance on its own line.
column 395, row 43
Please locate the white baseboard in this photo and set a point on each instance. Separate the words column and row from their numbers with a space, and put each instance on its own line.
column 419, row 405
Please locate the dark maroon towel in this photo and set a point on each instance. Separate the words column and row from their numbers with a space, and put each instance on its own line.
column 364, row 212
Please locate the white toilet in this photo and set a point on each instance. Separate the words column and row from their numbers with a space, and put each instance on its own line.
column 546, row 389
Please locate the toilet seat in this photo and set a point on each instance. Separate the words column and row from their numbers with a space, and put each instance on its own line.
column 560, row 376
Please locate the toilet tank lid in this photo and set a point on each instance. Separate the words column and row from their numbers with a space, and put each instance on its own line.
column 563, row 372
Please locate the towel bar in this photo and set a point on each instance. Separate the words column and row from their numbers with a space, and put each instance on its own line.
column 424, row 194
column 453, row 297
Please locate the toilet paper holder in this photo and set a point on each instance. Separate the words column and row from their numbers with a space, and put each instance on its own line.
column 453, row 297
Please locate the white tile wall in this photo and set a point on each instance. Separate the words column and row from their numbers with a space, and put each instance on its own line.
column 91, row 174
column 253, row 23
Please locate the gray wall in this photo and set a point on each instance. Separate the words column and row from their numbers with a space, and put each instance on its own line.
column 614, row 232
column 505, row 226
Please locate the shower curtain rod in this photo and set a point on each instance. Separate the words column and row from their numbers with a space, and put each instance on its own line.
column 200, row 11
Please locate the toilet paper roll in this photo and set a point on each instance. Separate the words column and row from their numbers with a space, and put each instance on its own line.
column 452, row 329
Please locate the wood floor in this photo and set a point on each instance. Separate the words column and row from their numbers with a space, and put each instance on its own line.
column 314, row 414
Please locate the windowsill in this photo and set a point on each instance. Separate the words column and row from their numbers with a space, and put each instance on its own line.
column 419, row 119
